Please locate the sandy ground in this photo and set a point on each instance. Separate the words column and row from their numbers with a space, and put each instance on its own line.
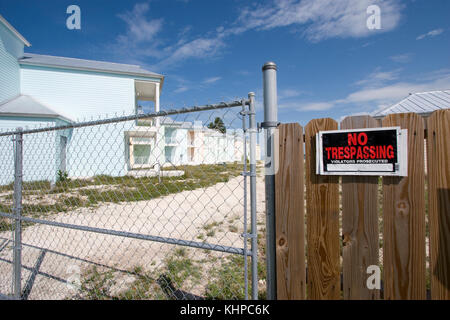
column 52, row 255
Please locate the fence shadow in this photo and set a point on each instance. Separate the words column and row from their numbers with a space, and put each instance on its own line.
column 442, row 266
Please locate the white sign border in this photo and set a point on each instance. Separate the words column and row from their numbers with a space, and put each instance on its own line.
column 402, row 154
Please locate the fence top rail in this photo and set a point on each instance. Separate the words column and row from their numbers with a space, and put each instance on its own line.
column 221, row 105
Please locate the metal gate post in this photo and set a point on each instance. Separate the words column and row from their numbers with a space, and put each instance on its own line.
column 254, row 231
column 270, row 123
column 18, row 169
column 244, row 234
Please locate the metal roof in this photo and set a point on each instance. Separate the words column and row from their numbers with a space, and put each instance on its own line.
column 14, row 31
column 88, row 65
column 423, row 103
column 26, row 106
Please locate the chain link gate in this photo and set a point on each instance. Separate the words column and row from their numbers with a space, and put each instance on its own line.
column 148, row 206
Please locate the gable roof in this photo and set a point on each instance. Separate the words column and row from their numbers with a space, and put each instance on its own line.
column 423, row 103
column 14, row 31
column 88, row 65
column 26, row 106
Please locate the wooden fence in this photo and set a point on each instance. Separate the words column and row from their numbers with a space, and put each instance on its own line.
column 351, row 220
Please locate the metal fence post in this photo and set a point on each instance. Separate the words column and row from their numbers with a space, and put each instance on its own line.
column 18, row 166
column 254, row 230
column 245, row 234
column 270, row 123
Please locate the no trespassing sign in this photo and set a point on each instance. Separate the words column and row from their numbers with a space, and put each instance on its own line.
column 374, row 151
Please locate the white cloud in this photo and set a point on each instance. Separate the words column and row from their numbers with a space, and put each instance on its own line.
column 211, row 80
column 142, row 40
column 396, row 91
column 378, row 78
column 138, row 27
column 197, row 48
column 402, row 58
column 181, row 89
column 289, row 93
column 184, row 31
column 317, row 106
column 377, row 98
column 320, row 19
column 141, row 32
column 432, row 33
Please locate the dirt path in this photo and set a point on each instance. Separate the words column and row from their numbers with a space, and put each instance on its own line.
column 214, row 215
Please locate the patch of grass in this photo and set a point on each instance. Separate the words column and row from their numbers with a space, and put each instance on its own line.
column 181, row 269
column 63, row 204
column 180, row 252
column 144, row 287
column 147, row 188
column 210, row 226
column 138, row 270
column 227, row 276
column 227, row 280
column 73, row 202
column 201, row 236
column 7, row 187
column 121, row 189
column 4, row 224
column 177, row 266
column 96, row 284
column 36, row 185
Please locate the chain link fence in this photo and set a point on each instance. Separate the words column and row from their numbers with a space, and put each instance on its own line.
column 150, row 206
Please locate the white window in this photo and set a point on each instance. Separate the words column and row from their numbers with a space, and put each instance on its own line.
column 140, row 152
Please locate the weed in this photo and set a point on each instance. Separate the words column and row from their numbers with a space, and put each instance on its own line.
column 62, row 176
column 180, row 252
column 201, row 236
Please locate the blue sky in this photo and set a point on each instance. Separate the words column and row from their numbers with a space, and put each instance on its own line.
column 329, row 63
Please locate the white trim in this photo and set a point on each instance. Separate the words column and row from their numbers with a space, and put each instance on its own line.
column 14, row 31
column 58, row 66
column 157, row 108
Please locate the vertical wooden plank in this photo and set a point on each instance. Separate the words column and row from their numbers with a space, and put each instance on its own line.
column 359, row 225
column 404, row 217
column 289, row 202
column 322, row 207
column 439, row 202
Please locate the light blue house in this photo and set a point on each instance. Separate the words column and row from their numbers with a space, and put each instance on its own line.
column 46, row 91
column 41, row 91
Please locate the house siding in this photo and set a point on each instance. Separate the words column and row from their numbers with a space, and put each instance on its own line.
column 97, row 150
column 40, row 154
column 10, row 49
column 79, row 95
column 83, row 96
